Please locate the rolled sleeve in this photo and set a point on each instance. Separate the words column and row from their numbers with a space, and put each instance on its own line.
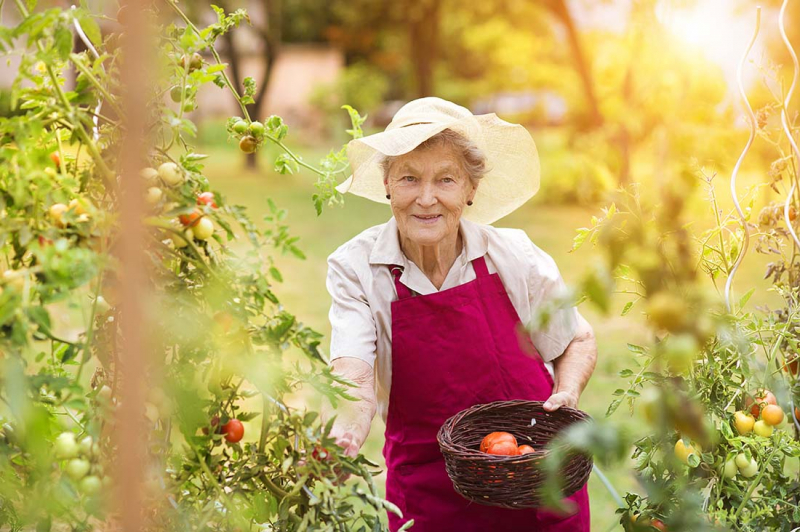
column 353, row 330
column 554, row 321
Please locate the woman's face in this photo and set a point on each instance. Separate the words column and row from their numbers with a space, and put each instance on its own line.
column 429, row 190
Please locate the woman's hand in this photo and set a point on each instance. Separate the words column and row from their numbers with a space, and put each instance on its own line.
column 559, row 399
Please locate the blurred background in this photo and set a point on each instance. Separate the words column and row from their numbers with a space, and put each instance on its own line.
column 613, row 92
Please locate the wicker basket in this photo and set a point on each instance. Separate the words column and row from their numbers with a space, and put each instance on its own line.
column 508, row 481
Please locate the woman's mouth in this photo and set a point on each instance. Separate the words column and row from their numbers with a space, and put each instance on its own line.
column 428, row 219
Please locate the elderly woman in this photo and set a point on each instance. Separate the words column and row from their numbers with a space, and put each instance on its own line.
column 426, row 308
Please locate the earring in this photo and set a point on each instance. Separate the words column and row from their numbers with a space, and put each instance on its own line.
column 388, row 196
column 469, row 202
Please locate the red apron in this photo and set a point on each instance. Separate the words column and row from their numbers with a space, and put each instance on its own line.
column 451, row 350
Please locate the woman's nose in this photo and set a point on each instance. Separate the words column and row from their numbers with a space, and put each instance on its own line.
column 427, row 195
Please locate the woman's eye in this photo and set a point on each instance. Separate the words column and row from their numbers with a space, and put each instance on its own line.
column 409, row 178
column 448, row 180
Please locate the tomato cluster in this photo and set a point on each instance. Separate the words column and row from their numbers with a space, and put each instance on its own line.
column 504, row 443
column 80, row 462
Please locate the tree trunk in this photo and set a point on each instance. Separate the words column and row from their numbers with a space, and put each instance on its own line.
column 423, row 36
column 561, row 11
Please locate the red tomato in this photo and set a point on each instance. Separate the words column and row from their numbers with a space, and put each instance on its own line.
column 505, row 447
column 762, row 398
column 233, row 430
column 495, row 437
column 206, row 198
column 190, row 219
column 56, row 159
column 526, row 449
column 658, row 524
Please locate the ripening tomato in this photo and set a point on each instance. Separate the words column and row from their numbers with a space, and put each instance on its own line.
column 505, row 447
column 495, row 437
column 233, row 430
column 248, row 144
column 658, row 525
column 206, row 198
column 56, row 159
column 191, row 219
column 772, row 415
column 759, row 400
column 526, row 449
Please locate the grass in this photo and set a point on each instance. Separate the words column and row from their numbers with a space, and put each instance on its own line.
column 551, row 227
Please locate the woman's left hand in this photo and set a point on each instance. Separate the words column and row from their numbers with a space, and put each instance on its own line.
column 559, row 399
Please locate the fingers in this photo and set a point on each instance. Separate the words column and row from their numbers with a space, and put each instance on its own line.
column 557, row 400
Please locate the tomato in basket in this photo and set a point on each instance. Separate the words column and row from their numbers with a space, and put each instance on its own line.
column 496, row 437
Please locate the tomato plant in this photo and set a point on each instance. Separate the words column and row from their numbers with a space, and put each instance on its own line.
column 220, row 331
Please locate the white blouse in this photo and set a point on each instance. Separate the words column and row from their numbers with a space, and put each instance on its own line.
column 362, row 290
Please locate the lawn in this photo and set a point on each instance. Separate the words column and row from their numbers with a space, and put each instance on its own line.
column 551, row 227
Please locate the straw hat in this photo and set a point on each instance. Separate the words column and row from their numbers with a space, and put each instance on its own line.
column 512, row 162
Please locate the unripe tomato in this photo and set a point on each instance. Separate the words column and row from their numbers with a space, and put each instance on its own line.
column 495, row 437
column 203, row 229
column 683, row 451
column 195, row 61
column 56, row 213
column 233, row 430
column 680, row 352
column 748, row 468
column 104, row 395
column 206, row 198
column 239, row 127
column 65, row 446
column 190, row 219
column 743, row 422
column 730, row 468
column 526, row 449
column 176, row 93
column 762, row 398
column 763, row 429
column 505, row 447
column 170, row 173
column 667, row 311
column 90, row 485
column 256, row 129
column 77, row 205
column 180, row 242
column 77, row 468
column 772, row 415
column 86, row 446
column 154, row 195
column 149, row 174
column 248, row 144
column 188, row 106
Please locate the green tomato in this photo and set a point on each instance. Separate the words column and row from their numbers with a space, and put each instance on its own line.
column 763, row 429
column 730, row 468
column 86, row 446
column 741, row 460
column 170, row 173
column 203, row 229
column 176, row 94
column 256, row 129
column 77, row 468
column 65, row 446
column 750, row 471
column 90, row 485
column 239, row 127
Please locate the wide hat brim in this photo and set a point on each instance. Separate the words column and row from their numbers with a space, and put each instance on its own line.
column 512, row 162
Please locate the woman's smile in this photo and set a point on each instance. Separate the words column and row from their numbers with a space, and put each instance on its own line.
column 427, row 219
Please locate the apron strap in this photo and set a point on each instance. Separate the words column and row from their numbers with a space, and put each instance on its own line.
column 403, row 291
column 479, row 265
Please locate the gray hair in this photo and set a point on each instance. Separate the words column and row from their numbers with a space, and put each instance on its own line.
column 471, row 158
